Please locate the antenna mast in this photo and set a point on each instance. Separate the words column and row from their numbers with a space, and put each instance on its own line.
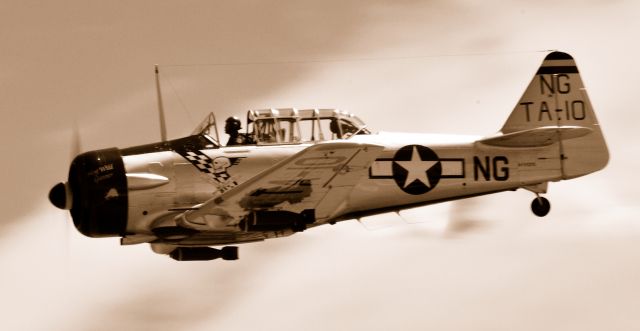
column 163, row 126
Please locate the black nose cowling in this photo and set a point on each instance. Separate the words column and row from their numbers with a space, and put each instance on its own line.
column 98, row 185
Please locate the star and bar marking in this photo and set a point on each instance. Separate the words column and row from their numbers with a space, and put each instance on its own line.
column 417, row 169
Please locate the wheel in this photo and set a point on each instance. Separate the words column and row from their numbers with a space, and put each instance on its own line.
column 540, row 206
column 229, row 253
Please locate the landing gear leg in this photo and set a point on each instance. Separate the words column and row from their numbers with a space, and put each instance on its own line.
column 540, row 206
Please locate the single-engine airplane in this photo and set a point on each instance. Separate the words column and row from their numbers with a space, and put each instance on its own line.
column 296, row 169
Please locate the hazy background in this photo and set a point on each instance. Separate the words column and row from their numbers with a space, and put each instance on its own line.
column 419, row 66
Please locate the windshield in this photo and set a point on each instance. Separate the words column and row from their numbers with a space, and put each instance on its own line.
column 205, row 127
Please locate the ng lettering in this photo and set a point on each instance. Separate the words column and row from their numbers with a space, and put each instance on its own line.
column 496, row 168
column 554, row 83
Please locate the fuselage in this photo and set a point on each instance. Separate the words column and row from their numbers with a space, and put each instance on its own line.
column 412, row 169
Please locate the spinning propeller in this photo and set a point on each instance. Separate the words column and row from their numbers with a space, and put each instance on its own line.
column 60, row 195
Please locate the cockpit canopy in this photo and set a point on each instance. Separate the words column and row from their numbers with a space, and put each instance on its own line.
column 293, row 126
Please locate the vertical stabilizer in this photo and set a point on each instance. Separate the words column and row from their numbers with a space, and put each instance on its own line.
column 556, row 97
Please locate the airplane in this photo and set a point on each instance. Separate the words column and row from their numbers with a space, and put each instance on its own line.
column 300, row 168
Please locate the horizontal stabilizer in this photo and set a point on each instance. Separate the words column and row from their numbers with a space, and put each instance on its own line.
column 540, row 136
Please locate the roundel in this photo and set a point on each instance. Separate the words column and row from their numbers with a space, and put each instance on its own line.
column 416, row 169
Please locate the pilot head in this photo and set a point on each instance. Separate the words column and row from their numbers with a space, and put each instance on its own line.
column 333, row 126
column 232, row 125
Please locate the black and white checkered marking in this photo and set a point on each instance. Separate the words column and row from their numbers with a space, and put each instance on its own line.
column 200, row 160
column 217, row 167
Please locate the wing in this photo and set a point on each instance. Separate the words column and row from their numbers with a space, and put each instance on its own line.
column 318, row 178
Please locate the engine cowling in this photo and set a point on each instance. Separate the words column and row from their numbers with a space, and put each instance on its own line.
column 98, row 185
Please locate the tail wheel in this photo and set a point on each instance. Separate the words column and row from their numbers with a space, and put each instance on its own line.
column 540, row 206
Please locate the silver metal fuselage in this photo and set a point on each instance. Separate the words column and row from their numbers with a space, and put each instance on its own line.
column 468, row 168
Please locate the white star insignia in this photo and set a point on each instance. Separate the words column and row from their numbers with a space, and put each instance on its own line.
column 417, row 168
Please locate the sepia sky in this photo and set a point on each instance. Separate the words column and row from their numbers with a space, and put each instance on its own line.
column 418, row 66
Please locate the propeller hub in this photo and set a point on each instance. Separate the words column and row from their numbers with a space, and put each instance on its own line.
column 60, row 196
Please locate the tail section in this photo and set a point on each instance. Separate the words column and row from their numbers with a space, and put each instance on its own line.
column 555, row 108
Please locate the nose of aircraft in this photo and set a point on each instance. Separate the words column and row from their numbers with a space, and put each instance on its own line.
column 96, row 193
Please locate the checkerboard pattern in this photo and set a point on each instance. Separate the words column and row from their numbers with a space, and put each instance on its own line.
column 205, row 164
column 200, row 160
